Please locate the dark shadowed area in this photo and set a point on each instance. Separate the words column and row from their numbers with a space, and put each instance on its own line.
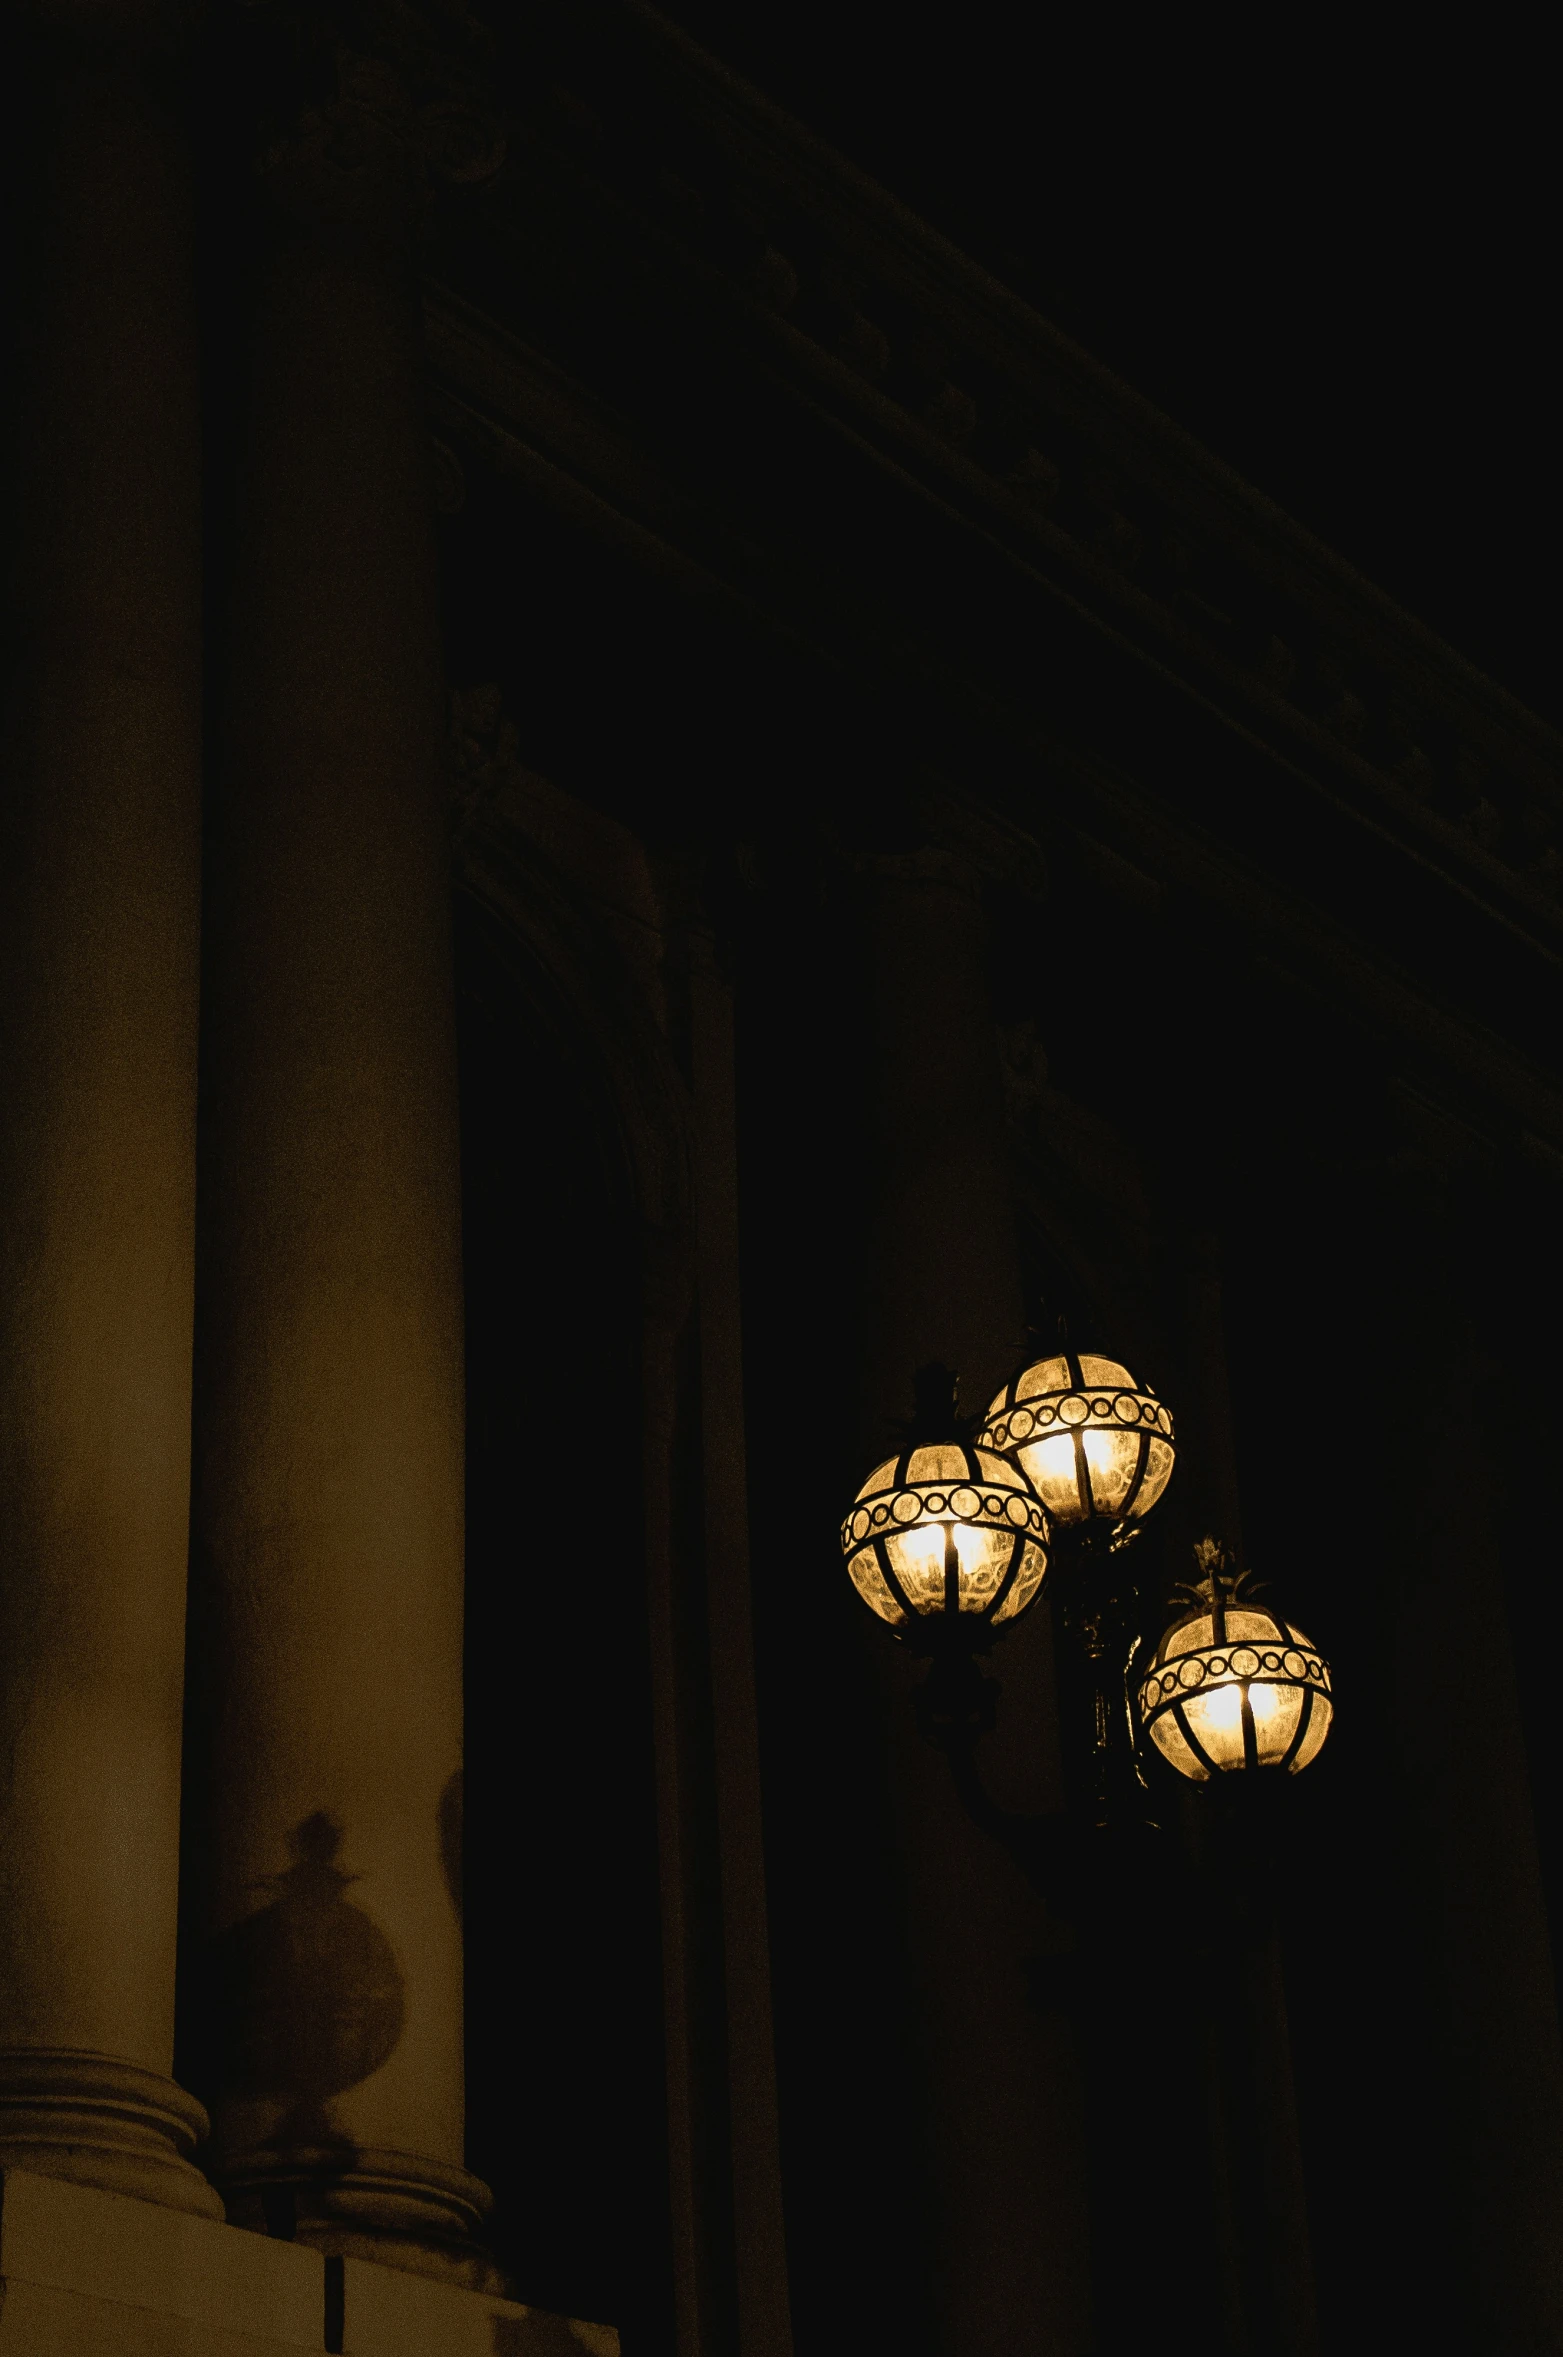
column 1330, row 258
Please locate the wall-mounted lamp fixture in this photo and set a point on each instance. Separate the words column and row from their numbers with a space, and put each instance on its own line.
column 952, row 1538
column 946, row 1541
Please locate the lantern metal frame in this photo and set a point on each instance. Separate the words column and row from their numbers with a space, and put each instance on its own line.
column 1003, row 1503
column 1017, row 1421
column 956, row 1698
column 1163, row 1685
column 1095, row 1595
column 1105, row 1672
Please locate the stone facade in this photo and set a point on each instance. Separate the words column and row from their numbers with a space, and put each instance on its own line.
column 634, row 802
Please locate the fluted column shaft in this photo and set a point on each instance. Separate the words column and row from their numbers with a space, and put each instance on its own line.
column 99, row 950
column 330, row 1432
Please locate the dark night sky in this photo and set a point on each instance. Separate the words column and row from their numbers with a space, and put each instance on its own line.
column 1336, row 267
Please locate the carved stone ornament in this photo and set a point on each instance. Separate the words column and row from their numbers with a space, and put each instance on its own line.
column 483, row 750
column 368, row 102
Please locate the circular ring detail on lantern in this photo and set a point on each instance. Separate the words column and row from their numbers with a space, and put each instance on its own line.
column 1232, row 1685
column 953, row 1530
column 1081, row 1403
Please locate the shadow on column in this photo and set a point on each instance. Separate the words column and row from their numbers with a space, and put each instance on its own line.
column 301, row 2000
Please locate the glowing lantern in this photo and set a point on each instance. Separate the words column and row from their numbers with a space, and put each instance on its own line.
column 1095, row 1446
column 947, row 1537
column 1232, row 1685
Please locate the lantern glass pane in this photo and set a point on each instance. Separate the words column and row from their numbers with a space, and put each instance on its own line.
column 942, row 1461
column 1216, row 1719
column 993, row 1467
column 1276, row 1710
column 945, row 1493
column 1158, row 1472
column 1033, row 1563
column 1318, row 1727
column 917, row 1558
column 1038, row 1417
column 1051, row 1466
column 1167, row 1736
column 1113, row 1459
column 869, row 1582
column 1201, row 1669
column 1247, row 1622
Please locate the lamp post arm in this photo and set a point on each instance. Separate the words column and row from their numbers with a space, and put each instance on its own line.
column 1042, row 1845
column 1094, row 1618
column 1095, row 1623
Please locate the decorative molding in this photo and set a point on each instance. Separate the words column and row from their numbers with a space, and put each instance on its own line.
column 868, row 315
column 361, row 103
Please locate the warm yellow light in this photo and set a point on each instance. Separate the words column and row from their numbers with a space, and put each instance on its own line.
column 1224, row 1708
column 923, row 1550
column 915, row 1508
column 1234, row 1686
column 1095, row 1446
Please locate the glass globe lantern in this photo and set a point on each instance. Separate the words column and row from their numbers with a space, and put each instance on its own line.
column 1232, row 1685
column 1095, row 1446
column 947, row 1539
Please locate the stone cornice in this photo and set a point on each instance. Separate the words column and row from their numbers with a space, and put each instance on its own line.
column 673, row 300
column 982, row 406
column 1161, row 527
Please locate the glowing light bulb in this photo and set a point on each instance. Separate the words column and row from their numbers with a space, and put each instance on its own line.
column 1223, row 1646
column 923, row 1549
column 1265, row 1703
column 944, row 1503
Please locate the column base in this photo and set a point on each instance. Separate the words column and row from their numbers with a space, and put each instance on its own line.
column 394, row 2208
column 95, row 2120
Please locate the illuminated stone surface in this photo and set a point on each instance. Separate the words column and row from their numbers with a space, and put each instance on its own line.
column 89, row 2274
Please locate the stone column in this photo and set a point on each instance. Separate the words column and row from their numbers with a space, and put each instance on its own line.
column 99, row 909
column 1010, row 2265
column 329, row 1437
column 1462, row 1785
